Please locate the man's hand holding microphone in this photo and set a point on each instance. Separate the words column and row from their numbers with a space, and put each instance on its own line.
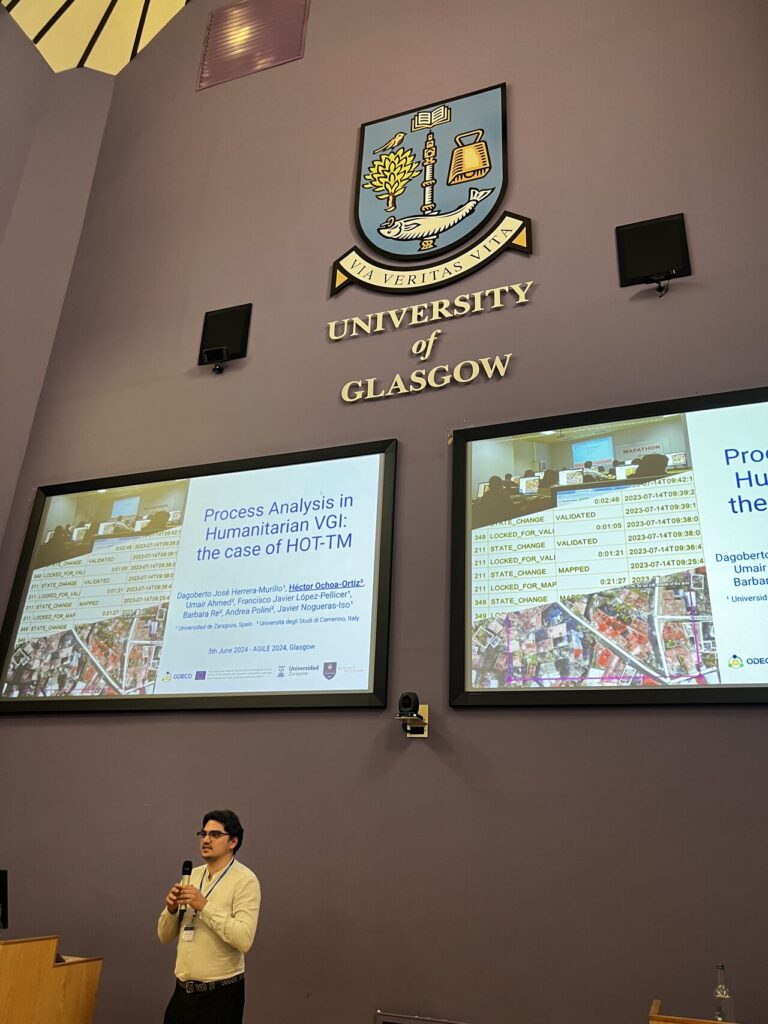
column 185, row 894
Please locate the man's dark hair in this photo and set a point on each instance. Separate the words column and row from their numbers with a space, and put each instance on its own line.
column 231, row 824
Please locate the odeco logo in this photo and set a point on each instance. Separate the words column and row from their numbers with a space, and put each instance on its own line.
column 735, row 662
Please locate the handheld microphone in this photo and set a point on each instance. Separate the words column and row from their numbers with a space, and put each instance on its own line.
column 186, row 877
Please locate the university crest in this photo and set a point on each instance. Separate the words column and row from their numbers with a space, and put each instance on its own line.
column 428, row 180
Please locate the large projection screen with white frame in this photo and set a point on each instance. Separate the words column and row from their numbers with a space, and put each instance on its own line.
column 258, row 583
column 639, row 580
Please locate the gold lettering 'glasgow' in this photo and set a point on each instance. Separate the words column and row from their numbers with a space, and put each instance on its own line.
column 422, row 378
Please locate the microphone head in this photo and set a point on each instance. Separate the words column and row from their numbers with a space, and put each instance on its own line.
column 186, row 868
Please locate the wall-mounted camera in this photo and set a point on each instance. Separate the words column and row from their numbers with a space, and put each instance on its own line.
column 413, row 715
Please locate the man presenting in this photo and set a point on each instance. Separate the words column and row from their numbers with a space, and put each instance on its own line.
column 214, row 918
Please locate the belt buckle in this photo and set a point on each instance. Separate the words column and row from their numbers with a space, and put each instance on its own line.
column 189, row 987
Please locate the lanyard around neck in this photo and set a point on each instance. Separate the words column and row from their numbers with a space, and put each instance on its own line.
column 191, row 925
column 224, row 872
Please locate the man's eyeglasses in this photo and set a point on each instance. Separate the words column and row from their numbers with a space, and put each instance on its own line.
column 213, row 834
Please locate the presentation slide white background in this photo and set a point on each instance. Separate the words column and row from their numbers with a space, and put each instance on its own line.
column 251, row 652
column 740, row 624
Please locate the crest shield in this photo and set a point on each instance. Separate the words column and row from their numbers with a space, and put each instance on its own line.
column 430, row 177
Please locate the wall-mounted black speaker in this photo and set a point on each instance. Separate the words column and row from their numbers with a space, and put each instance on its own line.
column 225, row 335
column 3, row 898
column 650, row 251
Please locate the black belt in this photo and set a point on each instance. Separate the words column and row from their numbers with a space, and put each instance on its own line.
column 208, row 986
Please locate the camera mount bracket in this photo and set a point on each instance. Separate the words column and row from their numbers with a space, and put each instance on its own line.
column 416, row 726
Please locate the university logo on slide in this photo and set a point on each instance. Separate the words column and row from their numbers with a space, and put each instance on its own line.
column 329, row 669
column 429, row 179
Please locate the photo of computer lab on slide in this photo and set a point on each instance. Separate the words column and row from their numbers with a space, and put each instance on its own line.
column 79, row 524
column 517, row 476
column 544, row 224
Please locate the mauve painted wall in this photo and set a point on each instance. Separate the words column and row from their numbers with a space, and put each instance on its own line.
column 528, row 865
column 50, row 132
column 26, row 77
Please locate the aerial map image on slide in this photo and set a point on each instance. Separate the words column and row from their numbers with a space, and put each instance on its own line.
column 114, row 657
column 654, row 633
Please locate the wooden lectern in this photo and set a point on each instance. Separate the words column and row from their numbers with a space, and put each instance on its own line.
column 36, row 990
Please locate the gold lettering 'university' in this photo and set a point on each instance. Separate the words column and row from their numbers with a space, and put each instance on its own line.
column 428, row 312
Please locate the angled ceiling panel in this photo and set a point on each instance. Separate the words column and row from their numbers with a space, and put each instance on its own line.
column 71, row 32
column 109, row 49
column 31, row 17
column 100, row 34
column 158, row 16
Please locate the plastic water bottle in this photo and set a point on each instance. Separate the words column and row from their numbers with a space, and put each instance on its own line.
column 723, row 1000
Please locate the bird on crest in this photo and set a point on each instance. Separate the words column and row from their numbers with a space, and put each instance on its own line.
column 394, row 141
